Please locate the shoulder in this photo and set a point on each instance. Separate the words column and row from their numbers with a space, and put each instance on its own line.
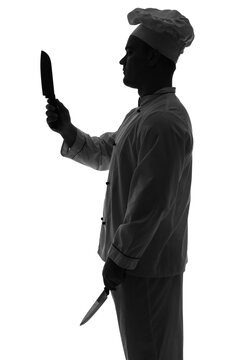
column 161, row 123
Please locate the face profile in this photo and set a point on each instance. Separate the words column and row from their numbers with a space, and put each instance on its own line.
column 145, row 68
column 134, row 62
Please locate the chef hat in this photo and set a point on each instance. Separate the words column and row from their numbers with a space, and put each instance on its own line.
column 167, row 31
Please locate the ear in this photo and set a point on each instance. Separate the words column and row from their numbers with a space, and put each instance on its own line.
column 153, row 57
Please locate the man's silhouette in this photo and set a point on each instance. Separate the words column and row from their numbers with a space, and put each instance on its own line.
column 143, row 238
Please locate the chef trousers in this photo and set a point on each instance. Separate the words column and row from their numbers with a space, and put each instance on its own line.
column 150, row 317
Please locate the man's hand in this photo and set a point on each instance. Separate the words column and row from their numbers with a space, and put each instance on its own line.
column 112, row 274
column 58, row 119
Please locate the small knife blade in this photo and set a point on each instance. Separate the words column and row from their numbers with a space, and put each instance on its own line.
column 47, row 76
column 98, row 303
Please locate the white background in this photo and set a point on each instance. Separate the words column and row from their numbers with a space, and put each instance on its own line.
column 50, row 272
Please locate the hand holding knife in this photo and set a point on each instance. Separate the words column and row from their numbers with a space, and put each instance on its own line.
column 113, row 275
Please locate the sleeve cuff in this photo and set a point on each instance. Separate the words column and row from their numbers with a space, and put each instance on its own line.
column 122, row 260
column 77, row 146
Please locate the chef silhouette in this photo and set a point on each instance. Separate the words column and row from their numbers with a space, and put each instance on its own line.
column 144, row 224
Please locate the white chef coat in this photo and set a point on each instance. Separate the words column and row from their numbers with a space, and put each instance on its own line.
column 145, row 212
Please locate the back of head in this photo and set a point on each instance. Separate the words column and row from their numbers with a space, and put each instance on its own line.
column 163, row 61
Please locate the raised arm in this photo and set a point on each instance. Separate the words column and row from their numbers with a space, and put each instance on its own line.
column 94, row 151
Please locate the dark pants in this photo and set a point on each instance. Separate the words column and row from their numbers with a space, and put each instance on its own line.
column 150, row 317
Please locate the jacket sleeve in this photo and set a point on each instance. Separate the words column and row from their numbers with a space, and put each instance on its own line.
column 94, row 151
column 152, row 191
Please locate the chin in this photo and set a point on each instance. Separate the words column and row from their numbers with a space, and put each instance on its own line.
column 127, row 83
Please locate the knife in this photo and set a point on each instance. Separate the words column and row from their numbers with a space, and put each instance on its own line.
column 98, row 303
column 47, row 77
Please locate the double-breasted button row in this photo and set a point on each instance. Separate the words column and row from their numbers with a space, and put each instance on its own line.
column 103, row 222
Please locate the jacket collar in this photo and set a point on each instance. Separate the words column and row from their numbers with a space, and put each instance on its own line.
column 148, row 98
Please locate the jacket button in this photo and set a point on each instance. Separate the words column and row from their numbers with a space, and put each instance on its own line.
column 108, row 182
column 104, row 222
column 102, row 218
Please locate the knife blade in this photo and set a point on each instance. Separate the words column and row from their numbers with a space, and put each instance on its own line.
column 47, row 77
column 98, row 303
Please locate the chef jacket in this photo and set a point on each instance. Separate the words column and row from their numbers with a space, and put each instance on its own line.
column 145, row 214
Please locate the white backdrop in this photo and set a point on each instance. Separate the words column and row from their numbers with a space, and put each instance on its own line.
column 50, row 272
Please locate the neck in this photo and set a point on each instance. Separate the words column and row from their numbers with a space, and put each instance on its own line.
column 154, row 82
column 148, row 90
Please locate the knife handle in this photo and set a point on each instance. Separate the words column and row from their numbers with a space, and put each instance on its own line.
column 52, row 101
column 102, row 297
column 106, row 290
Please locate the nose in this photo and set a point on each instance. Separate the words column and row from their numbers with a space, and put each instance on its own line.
column 122, row 61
